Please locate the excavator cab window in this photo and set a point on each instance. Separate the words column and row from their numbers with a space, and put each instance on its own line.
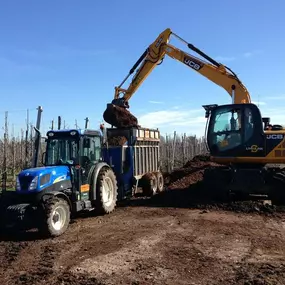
column 232, row 127
column 225, row 129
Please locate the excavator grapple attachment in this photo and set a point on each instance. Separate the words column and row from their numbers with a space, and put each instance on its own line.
column 119, row 117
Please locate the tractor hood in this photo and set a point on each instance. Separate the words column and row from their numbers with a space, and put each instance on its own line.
column 43, row 170
column 40, row 178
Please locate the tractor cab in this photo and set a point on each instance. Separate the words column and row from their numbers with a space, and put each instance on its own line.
column 235, row 130
column 78, row 150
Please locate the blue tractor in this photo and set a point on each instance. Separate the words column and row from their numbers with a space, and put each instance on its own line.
column 81, row 172
column 73, row 178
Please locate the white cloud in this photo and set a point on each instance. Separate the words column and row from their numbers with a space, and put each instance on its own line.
column 280, row 97
column 158, row 118
column 188, row 121
column 276, row 114
column 191, row 122
column 258, row 103
column 232, row 58
column 156, row 102
column 225, row 58
column 251, row 53
column 247, row 54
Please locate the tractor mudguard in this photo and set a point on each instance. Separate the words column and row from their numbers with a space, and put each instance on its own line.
column 59, row 194
column 92, row 178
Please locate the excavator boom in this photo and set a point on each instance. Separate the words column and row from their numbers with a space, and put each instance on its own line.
column 117, row 114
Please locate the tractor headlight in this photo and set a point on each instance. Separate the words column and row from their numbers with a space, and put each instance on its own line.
column 18, row 185
column 34, row 183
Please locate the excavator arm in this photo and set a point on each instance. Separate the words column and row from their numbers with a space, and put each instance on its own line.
column 154, row 55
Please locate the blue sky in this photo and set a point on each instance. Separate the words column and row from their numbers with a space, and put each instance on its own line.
column 68, row 56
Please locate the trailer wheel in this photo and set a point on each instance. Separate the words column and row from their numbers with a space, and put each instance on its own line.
column 149, row 184
column 160, row 181
column 56, row 217
column 107, row 191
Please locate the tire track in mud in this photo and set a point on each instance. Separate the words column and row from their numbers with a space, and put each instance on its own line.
column 13, row 250
column 259, row 273
column 41, row 268
column 44, row 269
column 10, row 252
column 253, row 269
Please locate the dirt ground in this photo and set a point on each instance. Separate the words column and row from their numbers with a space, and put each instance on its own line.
column 173, row 238
column 145, row 243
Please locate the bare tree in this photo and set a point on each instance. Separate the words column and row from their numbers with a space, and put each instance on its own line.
column 176, row 150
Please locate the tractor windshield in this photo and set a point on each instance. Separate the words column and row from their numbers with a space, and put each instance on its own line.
column 62, row 151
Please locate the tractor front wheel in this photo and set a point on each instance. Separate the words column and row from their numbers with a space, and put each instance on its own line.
column 56, row 217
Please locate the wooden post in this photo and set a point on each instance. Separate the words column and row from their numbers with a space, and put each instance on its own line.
column 173, row 150
column 13, row 152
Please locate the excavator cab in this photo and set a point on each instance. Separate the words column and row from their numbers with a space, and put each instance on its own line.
column 235, row 130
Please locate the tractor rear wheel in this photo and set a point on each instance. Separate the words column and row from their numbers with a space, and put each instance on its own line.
column 149, row 184
column 160, row 181
column 56, row 217
column 107, row 191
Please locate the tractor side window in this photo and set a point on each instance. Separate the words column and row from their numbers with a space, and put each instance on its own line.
column 225, row 129
column 97, row 148
column 92, row 148
column 248, row 124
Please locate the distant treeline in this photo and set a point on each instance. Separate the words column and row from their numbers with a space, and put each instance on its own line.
column 17, row 152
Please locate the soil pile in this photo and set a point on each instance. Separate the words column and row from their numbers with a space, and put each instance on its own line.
column 185, row 189
column 198, row 158
column 246, row 206
column 119, row 117
column 191, row 173
column 116, row 141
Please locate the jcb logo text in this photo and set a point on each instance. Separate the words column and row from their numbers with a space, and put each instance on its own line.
column 275, row 137
column 191, row 63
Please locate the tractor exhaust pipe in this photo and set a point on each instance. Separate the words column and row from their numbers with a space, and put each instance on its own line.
column 37, row 137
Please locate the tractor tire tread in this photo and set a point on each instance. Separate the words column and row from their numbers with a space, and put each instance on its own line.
column 100, row 207
column 45, row 226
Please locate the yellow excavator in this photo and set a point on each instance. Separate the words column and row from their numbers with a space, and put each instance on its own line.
column 116, row 113
column 250, row 149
